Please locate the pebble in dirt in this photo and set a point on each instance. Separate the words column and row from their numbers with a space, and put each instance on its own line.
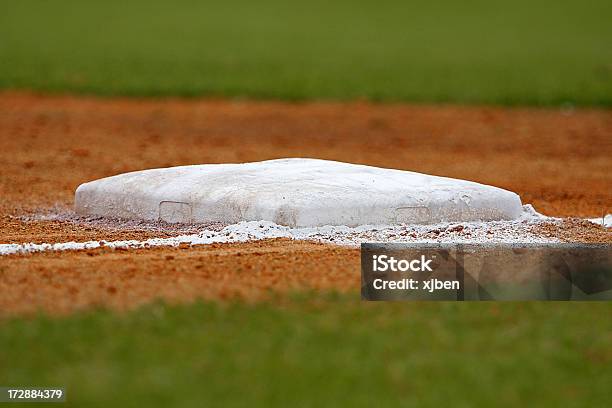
column 294, row 193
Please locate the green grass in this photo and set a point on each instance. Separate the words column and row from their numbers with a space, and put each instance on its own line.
column 475, row 51
column 315, row 351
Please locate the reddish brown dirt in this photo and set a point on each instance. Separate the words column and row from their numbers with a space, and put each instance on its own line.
column 15, row 230
column 558, row 160
column 64, row 282
column 575, row 230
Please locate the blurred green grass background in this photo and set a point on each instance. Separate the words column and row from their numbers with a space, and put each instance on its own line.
column 476, row 51
column 320, row 351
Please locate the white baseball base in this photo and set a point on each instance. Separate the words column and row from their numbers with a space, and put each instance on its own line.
column 295, row 193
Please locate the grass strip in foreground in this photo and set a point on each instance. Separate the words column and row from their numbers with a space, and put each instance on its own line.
column 318, row 350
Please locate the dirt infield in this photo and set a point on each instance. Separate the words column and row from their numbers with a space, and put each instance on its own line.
column 557, row 160
column 63, row 282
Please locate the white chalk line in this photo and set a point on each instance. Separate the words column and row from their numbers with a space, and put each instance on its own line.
column 516, row 231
